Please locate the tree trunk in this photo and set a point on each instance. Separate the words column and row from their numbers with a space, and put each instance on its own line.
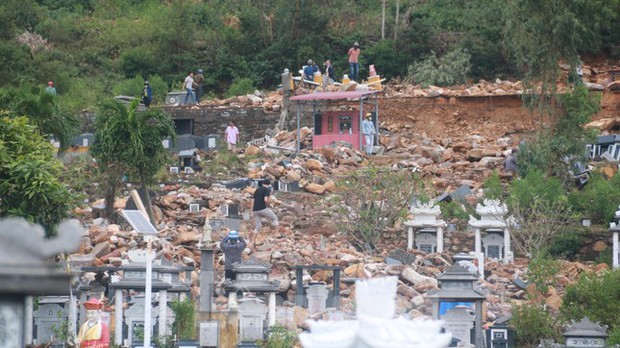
column 147, row 204
column 383, row 20
column 110, row 193
column 396, row 20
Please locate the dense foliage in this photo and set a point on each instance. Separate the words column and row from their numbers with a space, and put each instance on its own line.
column 91, row 48
column 129, row 142
column 595, row 296
column 29, row 185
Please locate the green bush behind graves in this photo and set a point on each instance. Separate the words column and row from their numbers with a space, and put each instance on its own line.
column 29, row 184
column 594, row 296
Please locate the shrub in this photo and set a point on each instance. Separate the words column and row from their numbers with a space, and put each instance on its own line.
column 450, row 69
column 493, row 187
column 566, row 244
column 594, row 296
column 598, row 200
column 184, row 313
column 532, row 322
column 542, row 270
column 453, row 210
column 278, row 337
column 240, row 86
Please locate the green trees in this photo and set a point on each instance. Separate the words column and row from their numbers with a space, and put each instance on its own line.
column 42, row 109
column 129, row 142
column 29, row 185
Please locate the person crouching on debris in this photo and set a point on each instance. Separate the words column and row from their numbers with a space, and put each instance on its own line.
column 368, row 129
column 261, row 208
column 232, row 245
column 510, row 166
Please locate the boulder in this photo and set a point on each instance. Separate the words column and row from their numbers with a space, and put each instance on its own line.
column 417, row 279
column 315, row 188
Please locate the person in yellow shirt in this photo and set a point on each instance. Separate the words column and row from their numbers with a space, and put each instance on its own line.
column 94, row 333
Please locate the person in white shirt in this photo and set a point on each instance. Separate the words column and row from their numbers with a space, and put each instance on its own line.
column 368, row 129
column 188, row 85
column 232, row 136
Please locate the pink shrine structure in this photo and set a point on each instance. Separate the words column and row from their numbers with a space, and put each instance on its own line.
column 331, row 125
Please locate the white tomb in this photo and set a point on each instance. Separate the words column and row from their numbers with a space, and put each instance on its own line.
column 425, row 230
column 494, row 223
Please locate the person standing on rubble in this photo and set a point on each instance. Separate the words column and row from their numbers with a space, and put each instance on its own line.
column 354, row 53
column 261, row 208
column 232, row 245
column 309, row 70
column 232, row 136
column 329, row 73
column 188, row 84
column 369, row 131
column 199, row 81
column 147, row 94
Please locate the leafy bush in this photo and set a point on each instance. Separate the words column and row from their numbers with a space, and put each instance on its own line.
column 184, row 313
column 539, row 210
column 493, row 187
column 541, row 271
column 278, row 337
column 448, row 70
column 29, row 185
column 594, row 296
column 240, row 86
column 598, row 200
column 566, row 244
column 532, row 322
column 453, row 210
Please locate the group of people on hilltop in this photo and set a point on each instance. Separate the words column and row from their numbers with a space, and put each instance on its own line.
column 354, row 52
column 194, row 82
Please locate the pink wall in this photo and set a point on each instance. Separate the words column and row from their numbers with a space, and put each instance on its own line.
column 330, row 129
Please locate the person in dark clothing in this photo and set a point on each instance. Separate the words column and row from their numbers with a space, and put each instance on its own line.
column 199, row 80
column 232, row 245
column 261, row 208
column 147, row 94
column 309, row 70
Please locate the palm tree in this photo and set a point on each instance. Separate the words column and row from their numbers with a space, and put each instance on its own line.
column 43, row 110
column 129, row 142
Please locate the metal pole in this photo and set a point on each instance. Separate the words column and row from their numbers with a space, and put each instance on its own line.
column 147, row 295
column 298, row 127
column 360, row 123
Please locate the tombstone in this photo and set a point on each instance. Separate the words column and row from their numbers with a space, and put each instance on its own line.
column 231, row 224
column 457, row 286
column 134, row 320
column 83, row 140
column 187, row 158
column 459, row 321
column 493, row 244
column 209, row 333
column 403, row 256
column 500, row 334
column 427, row 227
column 492, row 221
column 184, row 142
column 211, row 141
column 175, row 98
column 317, row 297
column 252, row 315
column 288, row 185
column 586, row 333
column 25, row 255
column 47, row 317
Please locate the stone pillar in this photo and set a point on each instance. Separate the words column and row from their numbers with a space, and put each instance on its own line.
column 299, row 292
column 479, row 340
column 83, row 299
column 507, row 251
column 480, row 257
column 28, row 319
column 440, row 239
column 72, row 314
column 271, row 315
column 118, row 317
column 615, row 250
column 163, row 305
column 410, row 238
column 206, row 279
column 478, row 241
column 435, row 310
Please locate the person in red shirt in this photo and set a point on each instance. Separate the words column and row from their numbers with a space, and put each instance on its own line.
column 354, row 53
